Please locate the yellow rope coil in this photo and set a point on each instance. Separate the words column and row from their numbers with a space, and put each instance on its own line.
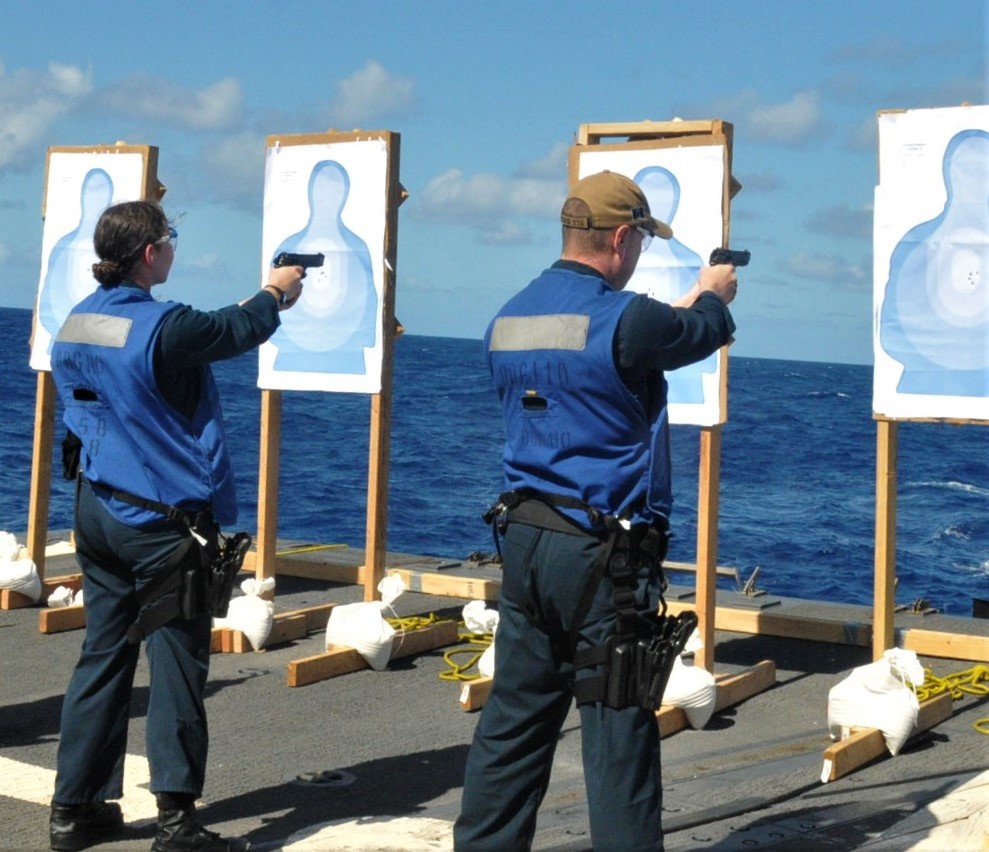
column 473, row 646
column 413, row 622
column 973, row 681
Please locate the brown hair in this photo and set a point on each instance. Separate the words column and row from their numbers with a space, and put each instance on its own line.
column 584, row 241
column 122, row 233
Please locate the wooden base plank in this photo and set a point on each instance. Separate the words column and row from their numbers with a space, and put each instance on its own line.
column 866, row 744
column 60, row 619
column 473, row 693
column 731, row 690
column 342, row 660
column 218, row 638
column 283, row 629
column 10, row 599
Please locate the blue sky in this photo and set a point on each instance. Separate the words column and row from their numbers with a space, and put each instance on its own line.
column 487, row 98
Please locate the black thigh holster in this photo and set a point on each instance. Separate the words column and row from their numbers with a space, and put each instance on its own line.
column 633, row 665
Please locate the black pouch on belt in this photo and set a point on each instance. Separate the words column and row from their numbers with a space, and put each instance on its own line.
column 222, row 572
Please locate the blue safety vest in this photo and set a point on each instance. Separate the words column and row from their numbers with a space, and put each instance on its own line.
column 132, row 439
column 573, row 427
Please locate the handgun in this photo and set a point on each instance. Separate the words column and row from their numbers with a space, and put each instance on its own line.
column 735, row 258
column 306, row 261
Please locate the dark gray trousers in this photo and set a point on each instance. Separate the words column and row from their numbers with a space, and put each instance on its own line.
column 116, row 560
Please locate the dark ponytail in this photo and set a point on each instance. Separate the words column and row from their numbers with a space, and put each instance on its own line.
column 122, row 233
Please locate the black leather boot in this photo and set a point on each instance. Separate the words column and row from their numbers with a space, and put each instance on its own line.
column 74, row 827
column 179, row 831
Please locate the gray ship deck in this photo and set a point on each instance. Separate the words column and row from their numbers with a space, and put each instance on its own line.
column 374, row 760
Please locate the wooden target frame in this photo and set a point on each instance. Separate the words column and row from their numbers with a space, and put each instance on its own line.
column 267, row 563
column 39, row 499
column 650, row 135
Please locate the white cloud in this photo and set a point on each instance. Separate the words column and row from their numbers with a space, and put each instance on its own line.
column 369, row 94
column 550, row 167
column 864, row 136
column 215, row 107
column 234, row 167
column 493, row 203
column 842, row 221
column 830, row 269
column 790, row 123
column 30, row 102
column 4, row 253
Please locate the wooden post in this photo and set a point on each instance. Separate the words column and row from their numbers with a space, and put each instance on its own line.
column 377, row 494
column 269, row 461
column 885, row 558
column 379, row 449
column 707, row 541
column 41, row 471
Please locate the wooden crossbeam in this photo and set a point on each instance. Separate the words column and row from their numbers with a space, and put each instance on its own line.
column 449, row 585
column 928, row 643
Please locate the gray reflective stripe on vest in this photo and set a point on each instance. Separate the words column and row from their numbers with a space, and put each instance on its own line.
column 95, row 329
column 548, row 331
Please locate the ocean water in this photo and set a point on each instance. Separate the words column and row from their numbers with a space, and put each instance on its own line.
column 797, row 495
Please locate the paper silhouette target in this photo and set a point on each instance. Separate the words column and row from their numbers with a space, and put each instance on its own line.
column 81, row 185
column 931, row 328
column 327, row 198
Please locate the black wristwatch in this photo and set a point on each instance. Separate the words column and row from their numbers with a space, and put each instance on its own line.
column 282, row 296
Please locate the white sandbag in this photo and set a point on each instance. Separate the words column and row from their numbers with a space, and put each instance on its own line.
column 21, row 575
column 879, row 695
column 479, row 618
column 9, row 548
column 62, row 596
column 17, row 571
column 693, row 690
column 362, row 625
column 251, row 614
column 486, row 663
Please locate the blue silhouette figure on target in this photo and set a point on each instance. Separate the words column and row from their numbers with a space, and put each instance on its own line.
column 934, row 317
column 69, row 277
column 666, row 271
column 336, row 318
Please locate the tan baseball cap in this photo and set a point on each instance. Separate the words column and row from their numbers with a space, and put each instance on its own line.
column 614, row 200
